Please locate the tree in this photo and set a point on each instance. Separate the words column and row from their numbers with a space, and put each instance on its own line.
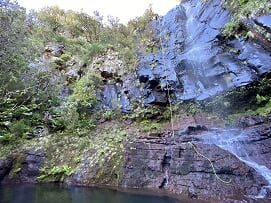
column 13, row 59
column 24, row 92
column 51, row 17
column 13, row 35
column 13, row 48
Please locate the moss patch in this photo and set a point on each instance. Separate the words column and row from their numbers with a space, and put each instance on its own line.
column 16, row 166
column 99, row 155
column 106, row 157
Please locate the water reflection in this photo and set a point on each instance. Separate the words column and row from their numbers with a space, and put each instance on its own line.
column 60, row 194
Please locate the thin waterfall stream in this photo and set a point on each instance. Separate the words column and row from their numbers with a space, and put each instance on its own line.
column 239, row 144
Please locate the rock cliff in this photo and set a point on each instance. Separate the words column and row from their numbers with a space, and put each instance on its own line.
column 193, row 61
column 191, row 173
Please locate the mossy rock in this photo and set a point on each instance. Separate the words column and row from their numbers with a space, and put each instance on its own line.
column 16, row 164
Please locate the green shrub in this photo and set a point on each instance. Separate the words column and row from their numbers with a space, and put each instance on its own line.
column 76, row 160
column 65, row 57
column 108, row 114
column 19, row 128
column 55, row 174
column 6, row 138
column 84, row 95
column 260, row 99
column 83, row 125
column 150, row 126
column 58, row 62
column 141, row 114
column 57, row 119
column 231, row 28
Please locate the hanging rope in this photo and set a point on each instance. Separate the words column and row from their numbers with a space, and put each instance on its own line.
column 172, row 122
column 212, row 165
column 168, row 92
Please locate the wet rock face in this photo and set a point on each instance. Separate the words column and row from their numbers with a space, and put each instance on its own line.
column 5, row 167
column 257, row 144
column 31, row 165
column 22, row 168
column 193, row 61
column 264, row 21
column 191, row 174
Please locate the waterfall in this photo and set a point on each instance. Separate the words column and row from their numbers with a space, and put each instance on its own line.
column 239, row 144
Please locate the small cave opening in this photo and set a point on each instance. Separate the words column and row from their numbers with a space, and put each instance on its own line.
column 153, row 84
column 143, row 79
column 106, row 74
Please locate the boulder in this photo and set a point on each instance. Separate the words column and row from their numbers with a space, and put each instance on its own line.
column 194, row 129
column 250, row 120
column 108, row 65
column 55, row 50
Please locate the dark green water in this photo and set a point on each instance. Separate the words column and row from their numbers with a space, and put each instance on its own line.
column 60, row 194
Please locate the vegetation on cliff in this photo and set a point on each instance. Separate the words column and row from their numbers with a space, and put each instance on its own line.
column 28, row 93
column 31, row 78
column 241, row 11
